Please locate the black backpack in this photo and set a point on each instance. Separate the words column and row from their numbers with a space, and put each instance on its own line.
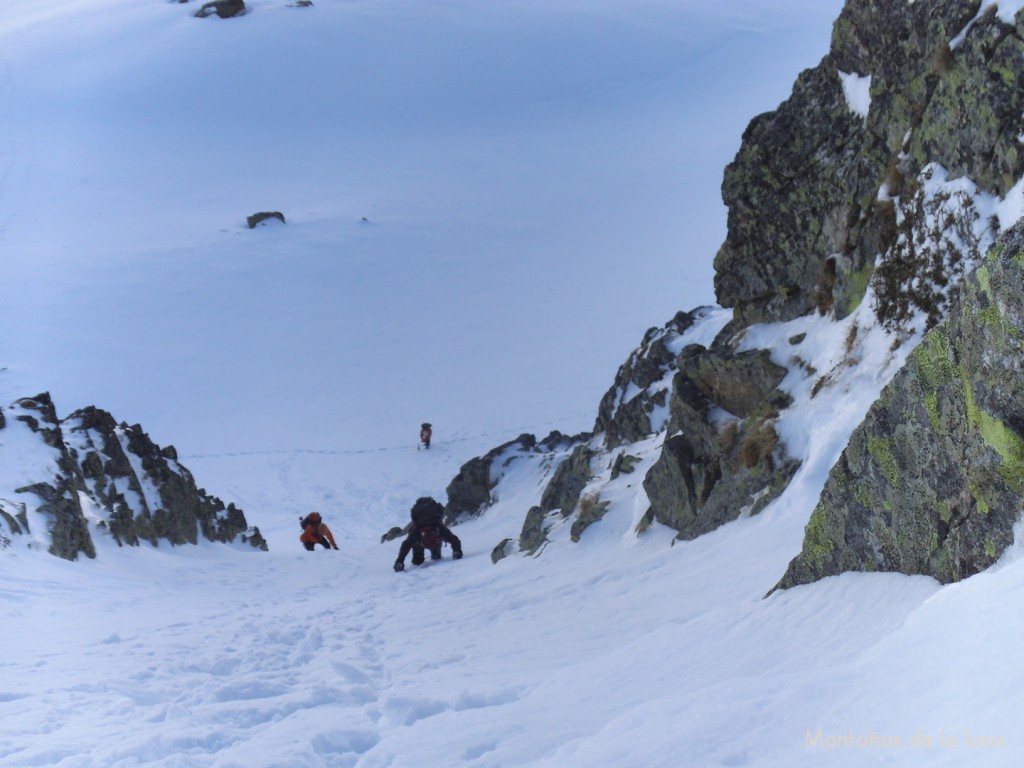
column 427, row 512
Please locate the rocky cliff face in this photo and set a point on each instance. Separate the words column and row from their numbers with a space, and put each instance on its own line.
column 87, row 476
column 932, row 482
column 876, row 178
column 806, row 217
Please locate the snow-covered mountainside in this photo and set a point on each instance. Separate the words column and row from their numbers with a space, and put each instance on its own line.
column 484, row 207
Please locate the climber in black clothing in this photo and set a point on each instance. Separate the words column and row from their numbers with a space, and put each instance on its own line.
column 426, row 534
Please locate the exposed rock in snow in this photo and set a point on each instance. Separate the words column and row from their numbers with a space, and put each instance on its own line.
column 224, row 9
column 931, row 482
column 262, row 217
column 87, row 476
column 805, row 224
column 469, row 492
column 722, row 454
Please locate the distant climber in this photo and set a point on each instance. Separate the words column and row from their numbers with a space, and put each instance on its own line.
column 426, row 431
column 315, row 531
column 426, row 534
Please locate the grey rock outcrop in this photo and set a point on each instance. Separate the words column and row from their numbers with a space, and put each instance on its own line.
column 932, row 482
column 624, row 464
column 56, row 497
column 534, row 533
column 805, row 218
column 559, row 500
column 469, row 492
column 624, row 414
column 722, row 458
column 591, row 510
column 224, row 9
column 159, row 499
column 259, row 218
column 501, row 550
column 567, row 483
column 134, row 491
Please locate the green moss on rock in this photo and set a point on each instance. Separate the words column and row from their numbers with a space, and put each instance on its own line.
column 818, row 545
column 881, row 450
column 932, row 482
column 932, row 361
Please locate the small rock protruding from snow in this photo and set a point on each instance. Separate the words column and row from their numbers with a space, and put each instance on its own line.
column 263, row 217
column 225, row 9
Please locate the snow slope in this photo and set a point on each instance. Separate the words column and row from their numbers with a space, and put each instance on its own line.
column 539, row 183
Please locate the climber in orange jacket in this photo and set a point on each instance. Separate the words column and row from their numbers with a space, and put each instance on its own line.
column 315, row 531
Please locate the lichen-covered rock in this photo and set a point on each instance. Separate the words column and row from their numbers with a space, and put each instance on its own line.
column 932, row 481
column 591, row 509
column 792, row 192
column 624, row 464
column 722, row 459
column 567, row 482
column 534, row 533
column 806, row 219
column 501, row 550
column 737, row 382
column 719, row 464
column 962, row 103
